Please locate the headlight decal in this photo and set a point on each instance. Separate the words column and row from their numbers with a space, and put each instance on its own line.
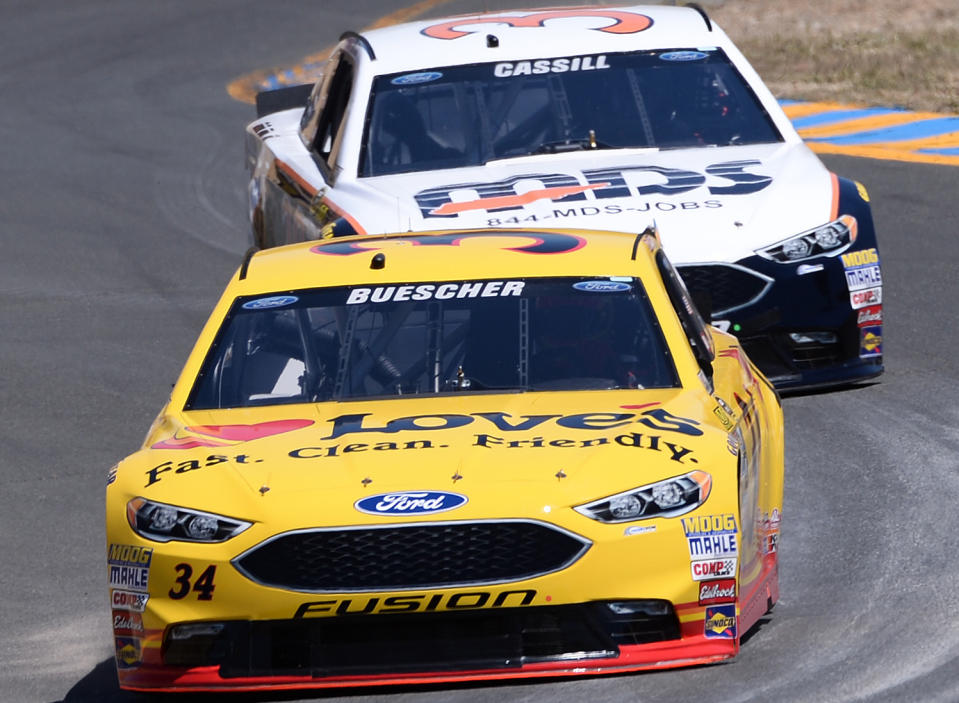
column 829, row 239
column 164, row 523
column 668, row 498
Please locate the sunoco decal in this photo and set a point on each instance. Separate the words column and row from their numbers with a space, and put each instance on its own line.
column 721, row 622
column 410, row 503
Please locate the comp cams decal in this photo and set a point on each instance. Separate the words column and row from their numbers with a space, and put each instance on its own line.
column 724, row 178
column 623, row 22
column 713, row 569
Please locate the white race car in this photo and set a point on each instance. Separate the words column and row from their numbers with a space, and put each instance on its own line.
column 599, row 118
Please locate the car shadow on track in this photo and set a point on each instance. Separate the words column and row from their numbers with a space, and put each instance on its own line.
column 826, row 390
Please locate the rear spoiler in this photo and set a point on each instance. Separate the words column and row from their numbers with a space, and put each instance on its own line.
column 270, row 101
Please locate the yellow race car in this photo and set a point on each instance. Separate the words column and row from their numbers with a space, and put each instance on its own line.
column 447, row 456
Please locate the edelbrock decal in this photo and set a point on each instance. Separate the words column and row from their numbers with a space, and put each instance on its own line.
column 410, row 503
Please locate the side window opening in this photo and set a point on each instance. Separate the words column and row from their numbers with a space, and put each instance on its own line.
column 333, row 110
column 697, row 332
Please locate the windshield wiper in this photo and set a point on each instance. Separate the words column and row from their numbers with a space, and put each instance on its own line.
column 560, row 146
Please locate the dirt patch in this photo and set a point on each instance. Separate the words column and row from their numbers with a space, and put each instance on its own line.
column 871, row 52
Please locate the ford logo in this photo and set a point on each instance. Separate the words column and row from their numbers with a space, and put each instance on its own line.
column 602, row 286
column 274, row 301
column 410, row 503
column 414, row 78
column 683, row 56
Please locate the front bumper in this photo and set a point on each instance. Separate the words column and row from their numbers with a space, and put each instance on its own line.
column 799, row 323
column 441, row 647
column 590, row 617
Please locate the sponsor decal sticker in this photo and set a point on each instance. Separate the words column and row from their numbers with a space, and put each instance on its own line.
column 639, row 530
column 503, row 424
column 711, row 535
column 416, row 78
column 628, row 181
column 187, row 465
column 129, row 566
column 721, row 622
column 127, row 623
column 862, row 277
column 870, row 341
column 436, row 291
column 128, row 600
column 863, row 298
column 683, row 56
column 274, row 301
column 721, row 591
column 602, row 286
column 713, row 569
column 410, row 503
column 869, row 316
column 563, row 65
column 624, row 22
column 862, row 257
column 535, row 242
column 128, row 652
column 226, row 435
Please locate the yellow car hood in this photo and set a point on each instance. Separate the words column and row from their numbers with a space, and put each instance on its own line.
column 510, row 455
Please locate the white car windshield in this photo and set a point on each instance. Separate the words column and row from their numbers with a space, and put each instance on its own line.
column 460, row 116
column 430, row 338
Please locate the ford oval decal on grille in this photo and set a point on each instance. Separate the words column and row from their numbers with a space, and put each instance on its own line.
column 410, row 503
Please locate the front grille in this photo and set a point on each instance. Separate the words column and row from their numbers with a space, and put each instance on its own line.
column 410, row 556
column 727, row 287
column 369, row 644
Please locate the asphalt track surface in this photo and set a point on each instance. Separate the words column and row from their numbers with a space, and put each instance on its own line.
column 123, row 214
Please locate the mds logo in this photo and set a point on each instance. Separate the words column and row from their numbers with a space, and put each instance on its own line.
column 726, row 178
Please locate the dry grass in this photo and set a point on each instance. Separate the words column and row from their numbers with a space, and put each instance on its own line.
column 879, row 52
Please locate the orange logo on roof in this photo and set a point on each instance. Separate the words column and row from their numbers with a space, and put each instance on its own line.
column 624, row 22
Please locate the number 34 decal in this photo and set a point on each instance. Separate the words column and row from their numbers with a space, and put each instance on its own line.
column 203, row 585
